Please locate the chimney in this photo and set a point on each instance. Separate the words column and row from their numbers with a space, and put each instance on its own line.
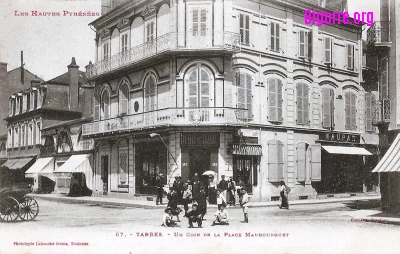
column 105, row 6
column 35, row 82
column 73, row 76
column 3, row 69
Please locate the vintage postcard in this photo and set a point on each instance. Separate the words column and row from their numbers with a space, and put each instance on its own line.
column 212, row 126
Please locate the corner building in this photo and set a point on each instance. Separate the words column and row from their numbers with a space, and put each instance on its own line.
column 237, row 87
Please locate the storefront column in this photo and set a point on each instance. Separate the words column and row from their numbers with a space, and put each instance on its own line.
column 225, row 164
column 175, row 149
column 131, row 163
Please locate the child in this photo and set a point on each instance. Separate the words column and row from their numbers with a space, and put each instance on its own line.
column 186, row 197
column 167, row 219
column 221, row 216
column 194, row 216
column 220, row 198
column 244, row 203
column 173, row 199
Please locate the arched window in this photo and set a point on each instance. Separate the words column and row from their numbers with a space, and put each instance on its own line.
column 199, row 88
column 275, row 100
column 328, row 96
column 123, row 98
column 105, row 104
column 302, row 92
column 350, row 101
column 150, row 94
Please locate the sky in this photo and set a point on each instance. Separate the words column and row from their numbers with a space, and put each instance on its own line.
column 50, row 42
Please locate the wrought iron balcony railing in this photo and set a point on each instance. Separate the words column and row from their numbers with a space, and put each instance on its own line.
column 169, row 116
column 378, row 33
column 381, row 111
column 168, row 42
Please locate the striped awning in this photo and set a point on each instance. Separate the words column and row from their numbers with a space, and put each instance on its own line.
column 391, row 160
column 241, row 149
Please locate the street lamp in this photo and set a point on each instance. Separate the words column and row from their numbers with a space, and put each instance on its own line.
column 152, row 135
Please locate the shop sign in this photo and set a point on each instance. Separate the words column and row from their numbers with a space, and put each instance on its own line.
column 199, row 139
column 339, row 137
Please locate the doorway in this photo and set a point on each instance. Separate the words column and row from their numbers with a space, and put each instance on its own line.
column 199, row 161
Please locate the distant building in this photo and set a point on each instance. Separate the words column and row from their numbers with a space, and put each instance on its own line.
column 241, row 88
column 384, row 64
column 37, row 106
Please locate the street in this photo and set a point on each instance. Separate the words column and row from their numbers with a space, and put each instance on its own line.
column 316, row 228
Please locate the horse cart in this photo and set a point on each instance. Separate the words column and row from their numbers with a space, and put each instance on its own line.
column 14, row 203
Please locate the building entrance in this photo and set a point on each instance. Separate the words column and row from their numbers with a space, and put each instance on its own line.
column 199, row 161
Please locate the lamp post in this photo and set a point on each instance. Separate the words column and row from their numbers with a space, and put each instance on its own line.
column 152, row 135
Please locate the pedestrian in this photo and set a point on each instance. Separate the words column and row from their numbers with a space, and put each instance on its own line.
column 223, row 185
column 168, row 220
column 194, row 216
column 221, row 201
column 173, row 200
column 202, row 199
column 221, row 216
column 244, row 203
column 178, row 185
column 231, row 191
column 187, row 197
column 283, row 191
column 160, row 189
column 212, row 197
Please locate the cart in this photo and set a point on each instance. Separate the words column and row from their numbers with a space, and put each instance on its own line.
column 14, row 203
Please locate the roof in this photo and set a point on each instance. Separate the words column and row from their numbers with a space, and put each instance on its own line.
column 63, row 79
column 71, row 122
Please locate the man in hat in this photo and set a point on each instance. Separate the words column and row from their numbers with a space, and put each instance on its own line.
column 159, row 186
column 178, row 186
column 223, row 186
column 194, row 216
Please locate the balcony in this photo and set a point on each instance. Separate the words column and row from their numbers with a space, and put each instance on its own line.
column 379, row 34
column 169, row 117
column 381, row 112
column 163, row 44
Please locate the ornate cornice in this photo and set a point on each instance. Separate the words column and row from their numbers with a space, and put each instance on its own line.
column 104, row 32
column 148, row 10
column 122, row 23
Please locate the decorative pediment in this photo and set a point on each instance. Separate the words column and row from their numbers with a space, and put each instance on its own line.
column 105, row 32
column 124, row 22
column 148, row 10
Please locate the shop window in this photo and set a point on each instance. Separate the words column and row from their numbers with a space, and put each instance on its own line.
column 123, row 97
column 275, row 36
column 327, row 108
column 328, row 50
column 246, row 167
column 302, row 104
column 350, row 56
column 275, row 161
column 350, row 110
column 369, row 100
column 301, row 162
column 305, row 44
column 244, row 29
column 105, row 105
column 150, row 94
column 275, row 100
column 244, row 96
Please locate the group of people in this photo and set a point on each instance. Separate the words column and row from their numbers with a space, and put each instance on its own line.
column 193, row 193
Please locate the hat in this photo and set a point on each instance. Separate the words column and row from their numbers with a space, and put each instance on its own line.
column 160, row 174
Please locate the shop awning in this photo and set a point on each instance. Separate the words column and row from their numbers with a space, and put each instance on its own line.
column 9, row 163
column 78, row 163
column 391, row 160
column 239, row 149
column 21, row 163
column 42, row 166
column 346, row 150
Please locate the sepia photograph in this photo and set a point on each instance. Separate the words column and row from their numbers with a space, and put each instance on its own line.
column 199, row 126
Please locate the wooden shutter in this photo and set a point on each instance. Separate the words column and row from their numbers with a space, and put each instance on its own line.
column 347, row 111
column 368, row 112
column 301, row 162
column 241, row 96
column 273, row 161
column 244, row 28
column 306, row 105
column 350, row 56
column 384, row 77
column 309, row 40
column 275, row 36
column 281, row 163
column 328, row 50
column 248, row 96
column 280, row 100
column 299, row 102
column 353, row 110
column 316, row 162
column 204, row 89
column 203, row 22
column 195, row 24
column 123, row 99
column 272, row 99
column 327, row 107
column 106, row 105
column 193, row 86
column 302, row 44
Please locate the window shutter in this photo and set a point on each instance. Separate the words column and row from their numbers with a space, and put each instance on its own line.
column 299, row 102
column 96, row 109
column 277, row 32
column 368, row 112
column 273, row 99
column 195, row 23
column 301, row 162
column 275, row 162
column 328, row 50
column 316, row 162
column 280, row 100
column 353, row 111
column 306, row 105
column 204, row 89
column 280, row 160
column 302, row 46
column 309, row 40
column 273, row 46
column 106, row 103
column 350, row 56
column 203, row 22
column 248, row 96
column 326, row 107
column 347, row 111
column 241, row 28
column 193, row 93
column 241, row 91
column 247, row 29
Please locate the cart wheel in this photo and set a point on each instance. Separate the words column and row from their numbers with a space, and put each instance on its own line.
column 9, row 209
column 29, row 209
